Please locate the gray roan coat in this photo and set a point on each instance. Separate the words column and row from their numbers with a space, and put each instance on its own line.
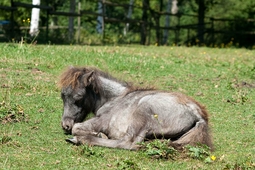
column 125, row 115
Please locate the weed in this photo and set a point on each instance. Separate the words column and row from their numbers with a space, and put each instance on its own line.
column 127, row 164
column 239, row 96
column 200, row 152
column 159, row 149
column 5, row 139
column 241, row 165
column 89, row 151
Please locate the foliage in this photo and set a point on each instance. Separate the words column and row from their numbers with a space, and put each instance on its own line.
column 201, row 153
column 127, row 164
column 159, row 149
column 89, row 151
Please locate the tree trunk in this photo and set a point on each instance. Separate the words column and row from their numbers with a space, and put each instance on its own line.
column 35, row 16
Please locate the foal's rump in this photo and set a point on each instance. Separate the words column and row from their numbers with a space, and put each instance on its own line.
column 175, row 116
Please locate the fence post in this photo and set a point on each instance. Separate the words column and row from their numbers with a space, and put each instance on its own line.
column 12, row 21
column 79, row 22
column 144, row 22
column 130, row 10
column 100, row 18
column 47, row 22
column 157, row 21
column 71, row 21
column 212, row 29
column 167, row 22
column 201, row 16
column 177, row 31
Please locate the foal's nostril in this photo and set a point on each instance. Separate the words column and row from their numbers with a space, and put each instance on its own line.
column 67, row 127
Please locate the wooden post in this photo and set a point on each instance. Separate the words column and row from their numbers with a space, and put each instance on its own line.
column 71, row 20
column 212, row 29
column 167, row 22
column 130, row 10
column 188, row 35
column 79, row 22
column 12, row 20
column 157, row 21
column 100, row 18
column 178, row 28
column 201, row 16
column 47, row 23
column 144, row 22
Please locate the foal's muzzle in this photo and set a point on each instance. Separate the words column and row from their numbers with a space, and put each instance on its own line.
column 67, row 125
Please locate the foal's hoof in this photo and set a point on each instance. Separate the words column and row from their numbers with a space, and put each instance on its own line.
column 102, row 135
column 72, row 140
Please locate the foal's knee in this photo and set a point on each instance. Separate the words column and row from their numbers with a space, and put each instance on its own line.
column 77, row 129
column 80, row 130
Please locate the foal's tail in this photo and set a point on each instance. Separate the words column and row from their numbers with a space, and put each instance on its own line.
column 199, row 134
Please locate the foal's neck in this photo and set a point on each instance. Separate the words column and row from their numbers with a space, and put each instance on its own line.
column 112, row 88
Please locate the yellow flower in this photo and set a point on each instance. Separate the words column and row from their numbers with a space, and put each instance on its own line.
column 156, row 116
column 213, row 158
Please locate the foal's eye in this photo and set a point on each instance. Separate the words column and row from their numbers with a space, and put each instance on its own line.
column 78, row 102
column 77, row 97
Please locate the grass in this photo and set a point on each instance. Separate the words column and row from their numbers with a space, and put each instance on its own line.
column 221, row 79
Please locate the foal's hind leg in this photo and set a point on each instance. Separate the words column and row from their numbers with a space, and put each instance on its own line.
column 93, row 140
column 199, row 134
column 125, row 143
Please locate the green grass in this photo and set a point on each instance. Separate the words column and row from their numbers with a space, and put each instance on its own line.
column 214, row 77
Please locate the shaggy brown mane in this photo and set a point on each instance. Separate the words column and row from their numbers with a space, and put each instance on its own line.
column 70, row 77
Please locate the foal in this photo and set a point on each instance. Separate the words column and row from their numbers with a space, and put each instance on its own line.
column 127, row 115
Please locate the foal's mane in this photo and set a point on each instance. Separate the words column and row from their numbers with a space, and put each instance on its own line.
column 71, row 77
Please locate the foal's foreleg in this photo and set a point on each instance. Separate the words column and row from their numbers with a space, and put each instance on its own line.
column 88, row 127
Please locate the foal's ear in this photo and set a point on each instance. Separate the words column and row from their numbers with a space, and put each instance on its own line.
column 88, row 78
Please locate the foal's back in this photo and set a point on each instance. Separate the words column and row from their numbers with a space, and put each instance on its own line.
column 158, row 113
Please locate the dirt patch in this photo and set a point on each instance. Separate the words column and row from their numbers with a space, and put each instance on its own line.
column 12, row 114
column 244, row 84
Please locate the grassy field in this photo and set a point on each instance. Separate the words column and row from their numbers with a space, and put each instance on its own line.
column 30, row 105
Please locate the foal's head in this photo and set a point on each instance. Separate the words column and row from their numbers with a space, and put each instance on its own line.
column 77, row 95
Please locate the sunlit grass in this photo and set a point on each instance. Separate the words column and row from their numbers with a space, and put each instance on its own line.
column 221, row 79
